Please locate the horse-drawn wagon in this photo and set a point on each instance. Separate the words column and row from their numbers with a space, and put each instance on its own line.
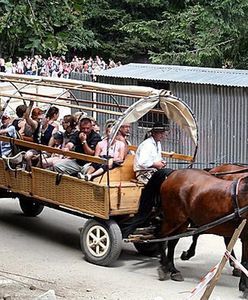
column 107, row 199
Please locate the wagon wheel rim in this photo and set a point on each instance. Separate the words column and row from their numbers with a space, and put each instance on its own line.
column 98, row 241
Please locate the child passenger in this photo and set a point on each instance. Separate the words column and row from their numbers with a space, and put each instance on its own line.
column 49, row 160
column 115, row 154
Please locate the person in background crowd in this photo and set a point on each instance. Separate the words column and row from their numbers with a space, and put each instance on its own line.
column 20, row 66
column 9, row 66
column 58, row 66
column 2, row 65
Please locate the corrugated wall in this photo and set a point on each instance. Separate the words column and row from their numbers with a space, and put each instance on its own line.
column 221, row 113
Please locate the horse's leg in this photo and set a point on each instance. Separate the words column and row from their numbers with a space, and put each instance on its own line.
column 243, row 283
column 236, row 272
column 175, row 274
column 163, row 271
column 186, row 255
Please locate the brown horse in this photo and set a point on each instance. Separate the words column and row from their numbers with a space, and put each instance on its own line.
column 191, row 195
column 227, row 172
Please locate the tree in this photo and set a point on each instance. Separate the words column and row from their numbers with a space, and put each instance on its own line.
column 42, row 27
column 201, row 33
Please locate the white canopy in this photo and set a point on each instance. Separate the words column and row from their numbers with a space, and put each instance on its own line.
column 174, row 109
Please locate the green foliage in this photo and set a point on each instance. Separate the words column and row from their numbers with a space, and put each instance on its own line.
column 42, row 27
column 188, row 32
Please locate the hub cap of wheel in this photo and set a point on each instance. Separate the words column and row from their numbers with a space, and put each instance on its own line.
column 97, row 240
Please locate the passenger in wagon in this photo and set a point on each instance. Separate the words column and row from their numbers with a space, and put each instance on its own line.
column 123, row 134
column 42, row 132
column 69, row 125
column 148, row 158
column 20, row 122
column 115, row 153
column 52, row 115
column 48, row 160
column 84, row 141
column 8, row 130
column 31, row 122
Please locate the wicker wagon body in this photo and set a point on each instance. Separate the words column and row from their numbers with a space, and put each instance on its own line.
column 91, row 198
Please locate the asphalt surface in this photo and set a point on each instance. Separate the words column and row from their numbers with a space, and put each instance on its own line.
column 43, row 253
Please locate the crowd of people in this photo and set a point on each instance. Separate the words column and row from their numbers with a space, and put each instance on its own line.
column 56, row 66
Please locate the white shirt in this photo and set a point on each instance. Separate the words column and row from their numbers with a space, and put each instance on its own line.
column 147, row 153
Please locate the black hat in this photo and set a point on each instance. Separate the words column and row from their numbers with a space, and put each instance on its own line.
column 159, row 127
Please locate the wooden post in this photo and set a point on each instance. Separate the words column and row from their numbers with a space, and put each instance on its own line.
column 229, row 248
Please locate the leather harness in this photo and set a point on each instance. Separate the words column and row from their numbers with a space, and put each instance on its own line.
column 234, row 197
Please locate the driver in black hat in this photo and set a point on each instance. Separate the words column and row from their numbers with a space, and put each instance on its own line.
column 148, row 158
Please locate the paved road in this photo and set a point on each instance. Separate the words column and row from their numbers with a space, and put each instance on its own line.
column 47, row 248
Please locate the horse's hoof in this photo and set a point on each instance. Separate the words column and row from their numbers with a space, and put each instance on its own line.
column 162, row 274
column 184, row 255
column 236, row 272
column 242, row 287
column 245, row 294
column 177, row 276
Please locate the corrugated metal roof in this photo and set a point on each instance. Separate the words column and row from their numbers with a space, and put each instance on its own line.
column 185, row 74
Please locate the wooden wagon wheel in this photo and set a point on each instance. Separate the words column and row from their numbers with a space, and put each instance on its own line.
column 101, row 242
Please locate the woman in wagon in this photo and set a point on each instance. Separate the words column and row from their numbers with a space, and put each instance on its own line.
column 42, row 132
column 148, row 158
column 115, row 153
column 9, row 130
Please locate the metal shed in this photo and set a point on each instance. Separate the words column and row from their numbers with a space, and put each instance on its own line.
column 218, row 97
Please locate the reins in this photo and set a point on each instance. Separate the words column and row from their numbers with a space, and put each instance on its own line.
column 193, row 231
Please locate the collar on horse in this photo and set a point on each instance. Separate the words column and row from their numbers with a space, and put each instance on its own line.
column 234, row 197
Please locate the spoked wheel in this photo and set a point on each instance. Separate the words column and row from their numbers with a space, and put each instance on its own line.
column 101, row 242
column 147, row 249
column 30, row 207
